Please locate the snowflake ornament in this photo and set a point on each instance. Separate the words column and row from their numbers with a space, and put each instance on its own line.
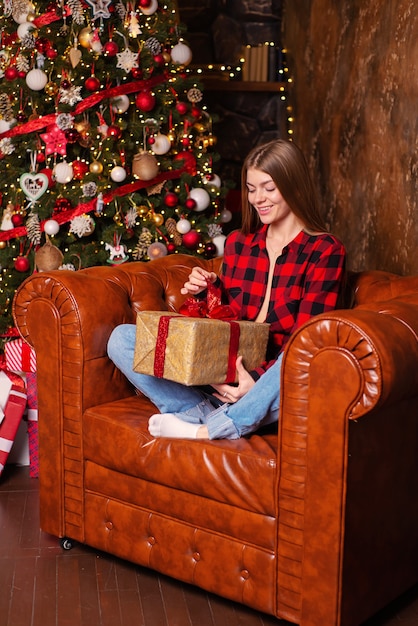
column 81, row 225
column 127, row 60
column 214, row 230
column 130, row 217
column 71, row 95
column 67, row 266
column 6, row 146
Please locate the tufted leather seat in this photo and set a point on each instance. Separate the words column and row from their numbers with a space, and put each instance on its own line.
column 314, row 521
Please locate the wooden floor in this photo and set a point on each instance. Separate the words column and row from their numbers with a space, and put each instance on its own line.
column 43, row 585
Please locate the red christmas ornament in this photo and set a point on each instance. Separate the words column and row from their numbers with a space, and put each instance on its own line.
column 114, row 131
column 11, row 73
column 21, row 117
column 190, row 204
column 111, row 48
column 40, row 157
column 65, row 84
column 144, row 4
column 80, row 169
column 185, row 142
column 51, row 54
column 159, row 59
column 49, row 173
column 171, row 199
column 42, row 44
column 22, row 264
column 196, row 112
column 17, row 220
column 62, row 204
column 189, row 161
column 182, row 108
column 72, row 135
column 171, row 248
column 92, row 83
column 191, row 239
column 145, row 101
column 210, row 250
column 136, row 72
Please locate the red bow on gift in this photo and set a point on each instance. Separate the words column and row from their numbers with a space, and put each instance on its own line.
column 212, row 307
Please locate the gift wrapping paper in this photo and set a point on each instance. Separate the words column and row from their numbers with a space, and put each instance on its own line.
column 12, row 406
column 196, row 351
column 20, row 357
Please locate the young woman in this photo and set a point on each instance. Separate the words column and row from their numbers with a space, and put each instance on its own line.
column 282, row 267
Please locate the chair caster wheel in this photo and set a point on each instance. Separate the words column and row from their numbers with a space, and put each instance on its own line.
column 66, row 544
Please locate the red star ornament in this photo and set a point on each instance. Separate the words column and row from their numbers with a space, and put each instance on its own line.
column 55, row 141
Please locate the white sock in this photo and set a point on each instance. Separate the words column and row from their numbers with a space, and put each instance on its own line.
column 168, row 425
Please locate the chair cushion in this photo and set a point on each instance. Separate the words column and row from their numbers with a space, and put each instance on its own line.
column 242, row 472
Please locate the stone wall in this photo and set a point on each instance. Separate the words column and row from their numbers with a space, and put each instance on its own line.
column 355, row 71
column 217, row 30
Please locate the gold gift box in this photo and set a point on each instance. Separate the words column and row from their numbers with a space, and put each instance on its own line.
column 196, row 349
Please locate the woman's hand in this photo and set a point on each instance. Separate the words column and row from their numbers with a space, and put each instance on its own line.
column 231, row 394
column 198, row 281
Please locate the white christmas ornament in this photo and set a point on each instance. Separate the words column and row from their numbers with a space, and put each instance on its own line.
column 120, row 104
column 51, row 227
column 156, row 250
column 181, row 54
column 183, row 226
column 201, row 197
column 24, row 29
column 6, row 125
column 214, row 180
column 36, row 79
column 161, row 145
column 151, row 9
column 118, row 174
column 63, row 172
column 219, row 242
column 226, row 216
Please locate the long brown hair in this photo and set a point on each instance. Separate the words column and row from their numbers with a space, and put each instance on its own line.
column 287, row 166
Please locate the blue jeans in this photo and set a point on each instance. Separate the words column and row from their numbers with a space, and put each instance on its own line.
column 260, row 406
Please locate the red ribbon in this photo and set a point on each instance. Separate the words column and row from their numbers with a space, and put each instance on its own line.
column 86, row 207
column 161, row 345
column 86, row 103
column 211, row 308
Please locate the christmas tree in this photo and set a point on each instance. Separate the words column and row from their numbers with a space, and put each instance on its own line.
column 106, row 149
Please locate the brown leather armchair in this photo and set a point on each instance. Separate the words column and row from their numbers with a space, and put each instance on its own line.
column 316, row 523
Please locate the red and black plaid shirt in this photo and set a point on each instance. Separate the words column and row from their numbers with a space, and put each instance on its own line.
column 306, row 281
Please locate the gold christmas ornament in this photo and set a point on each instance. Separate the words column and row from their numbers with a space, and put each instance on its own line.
column 82, row 127
column 2, row 245
column 96, row 167
column 158, row 219
column 51, row 89
column 142, row 210
column 84, row 37
column 144, row 166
